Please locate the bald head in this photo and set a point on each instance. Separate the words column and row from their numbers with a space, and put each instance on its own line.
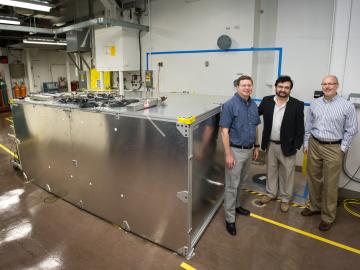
column 329, row 86
column 331, row 77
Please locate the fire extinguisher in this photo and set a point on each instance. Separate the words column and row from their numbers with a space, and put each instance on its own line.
column 16, row 90
column 23, row 90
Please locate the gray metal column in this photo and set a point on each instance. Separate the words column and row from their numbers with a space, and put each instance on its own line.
column 68, row 78
column 29, row 71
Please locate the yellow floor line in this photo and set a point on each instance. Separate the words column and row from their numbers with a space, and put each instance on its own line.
column 336, row 244
column 187, row 267
column 8, row 150
column 8, row 119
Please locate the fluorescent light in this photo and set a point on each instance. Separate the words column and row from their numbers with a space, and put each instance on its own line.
column 6, row 21
column 46, row 41
column 35, row 5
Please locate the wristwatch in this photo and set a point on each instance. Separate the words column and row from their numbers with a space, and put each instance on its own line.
column 256, row 145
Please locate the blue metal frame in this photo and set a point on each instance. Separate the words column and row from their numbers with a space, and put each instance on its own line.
column 276, row 49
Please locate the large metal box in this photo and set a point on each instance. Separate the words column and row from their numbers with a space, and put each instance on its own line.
column 146, row 171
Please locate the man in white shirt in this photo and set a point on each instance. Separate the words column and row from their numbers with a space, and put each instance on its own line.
column 331, row 124
column 282, row 136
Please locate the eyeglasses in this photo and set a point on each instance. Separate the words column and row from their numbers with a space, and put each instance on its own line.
column 283, row 87
column 328, row 84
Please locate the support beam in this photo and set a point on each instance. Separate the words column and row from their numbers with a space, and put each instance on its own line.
column 68, row 77
column 83, row 60
column 29, row 71
column 73, row 61
column 112, row 9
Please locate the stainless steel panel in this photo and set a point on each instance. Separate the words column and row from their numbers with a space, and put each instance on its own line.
column 126, row 169
column 208, row 171
column 45, row 145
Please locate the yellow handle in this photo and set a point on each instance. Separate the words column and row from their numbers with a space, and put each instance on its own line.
column 186, row 120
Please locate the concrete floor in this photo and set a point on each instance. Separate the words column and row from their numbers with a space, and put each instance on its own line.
column 39, row 231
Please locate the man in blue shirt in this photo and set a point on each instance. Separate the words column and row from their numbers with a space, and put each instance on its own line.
column 238, row 122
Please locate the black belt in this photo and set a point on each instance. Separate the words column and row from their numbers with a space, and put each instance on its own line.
column 276, row 142
column 241, row 146
column 325, row 142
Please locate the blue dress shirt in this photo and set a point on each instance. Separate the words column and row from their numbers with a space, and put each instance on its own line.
column 241, row 118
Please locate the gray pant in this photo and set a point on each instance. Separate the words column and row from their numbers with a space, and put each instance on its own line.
column 233, row 179
column 280, row 173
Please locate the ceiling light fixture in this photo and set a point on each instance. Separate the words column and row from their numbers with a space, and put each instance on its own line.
column 45, row 41
column 34, row 5
column 9, row 20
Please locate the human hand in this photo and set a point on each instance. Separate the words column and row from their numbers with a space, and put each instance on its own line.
column 230, row 162
column 256, row 153
column 305, row 150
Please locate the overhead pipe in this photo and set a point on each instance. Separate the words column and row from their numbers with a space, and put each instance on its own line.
column 81, row 25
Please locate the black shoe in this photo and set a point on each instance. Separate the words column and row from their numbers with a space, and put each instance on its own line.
column 307, row 212
column 242, row 211
column 324, row 226
column 231, row 228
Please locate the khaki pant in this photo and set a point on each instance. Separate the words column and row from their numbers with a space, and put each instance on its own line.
column 280, row 173
column 324, row 164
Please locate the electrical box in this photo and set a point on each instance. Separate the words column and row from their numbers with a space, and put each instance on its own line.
column 117, row 49
column 50, row 87
column 95, row 80
column 355, row 99
column 17, row 70
column 149, row 79
column 82, row 80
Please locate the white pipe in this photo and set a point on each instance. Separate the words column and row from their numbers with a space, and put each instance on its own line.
column 102, row 81
column 121, row 83
column 332, row 35
column 68, row 78
column 29, row 71
column 150, row 36
column 347, row 47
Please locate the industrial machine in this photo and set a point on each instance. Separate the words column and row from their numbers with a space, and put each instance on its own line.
column 156, row 171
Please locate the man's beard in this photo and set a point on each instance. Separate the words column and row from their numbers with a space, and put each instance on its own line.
column 282, row 94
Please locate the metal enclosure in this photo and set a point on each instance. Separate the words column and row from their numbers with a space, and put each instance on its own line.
column 145, row 171
column 78, row 40
column 117, row 49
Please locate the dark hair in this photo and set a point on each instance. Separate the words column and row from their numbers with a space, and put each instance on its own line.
column 242, row 78
column 284, row 78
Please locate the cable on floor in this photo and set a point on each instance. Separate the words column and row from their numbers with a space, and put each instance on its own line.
column 348, row 204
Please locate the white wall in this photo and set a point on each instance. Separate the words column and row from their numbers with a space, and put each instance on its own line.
column 47, row 66
column 346, row 65
column 196, row 25
column 352, row 64
column 267, row 64
column 304, row 32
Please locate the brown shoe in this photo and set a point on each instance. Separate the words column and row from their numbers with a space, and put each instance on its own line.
column 324, row 226
column 266, row 199
column 284, row 207
column 307, row 212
